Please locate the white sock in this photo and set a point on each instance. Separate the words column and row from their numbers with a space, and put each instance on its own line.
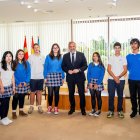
column 13, row 110
column 39, row 106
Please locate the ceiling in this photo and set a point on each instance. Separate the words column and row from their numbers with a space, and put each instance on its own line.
column 17, row 11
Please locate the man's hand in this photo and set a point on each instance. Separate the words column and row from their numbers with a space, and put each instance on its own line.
column 75, row 70
column 117, row 79
column 70, row 72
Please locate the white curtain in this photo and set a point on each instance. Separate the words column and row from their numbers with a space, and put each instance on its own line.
column 123, row 30
column 91, row 36
column 12, row 35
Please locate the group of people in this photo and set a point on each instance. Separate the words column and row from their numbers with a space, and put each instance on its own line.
column 18, row 77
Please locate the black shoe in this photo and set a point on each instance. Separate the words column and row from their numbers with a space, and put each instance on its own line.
column 133, row 114
column 71, row 112
column 84, row 113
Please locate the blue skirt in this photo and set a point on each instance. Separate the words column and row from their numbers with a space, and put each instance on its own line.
column 100, row 87
column 54, row 80
column 23, row 89
column 8, row 92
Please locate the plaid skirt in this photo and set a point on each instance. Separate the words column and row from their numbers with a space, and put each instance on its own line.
column 100, row 87
column 54, row 80
column 8, row 91
column 23, row 89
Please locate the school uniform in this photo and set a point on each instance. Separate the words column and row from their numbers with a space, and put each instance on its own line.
column 133, row 65
column 54, row 75
column 37, row 68
column 95, row 75
column 6, row 78
column 117, row 63
column 53, row 72
column 21, row 75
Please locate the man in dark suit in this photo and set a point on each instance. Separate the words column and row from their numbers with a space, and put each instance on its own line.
column 74, row 64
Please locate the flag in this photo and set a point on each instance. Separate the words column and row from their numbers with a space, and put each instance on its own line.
column 38, row 41
column 32, row 46
column 25, row 49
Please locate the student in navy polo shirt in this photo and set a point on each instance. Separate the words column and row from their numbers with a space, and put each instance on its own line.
column 133, row 61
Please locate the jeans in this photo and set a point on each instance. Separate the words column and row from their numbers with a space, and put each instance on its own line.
column 112, row 86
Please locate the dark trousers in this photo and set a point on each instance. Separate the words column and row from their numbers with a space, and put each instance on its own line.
column 112, row 86
column 81, row 91
column 18, row 99
column 4, row 107
column 134, row 88
column 55, row 91
column 96, row 94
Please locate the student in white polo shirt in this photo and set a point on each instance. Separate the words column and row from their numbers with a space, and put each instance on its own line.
column 37, row 78
column 7, row 86
column 117, row 68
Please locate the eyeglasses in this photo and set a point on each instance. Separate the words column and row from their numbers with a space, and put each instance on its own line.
column 55, row 48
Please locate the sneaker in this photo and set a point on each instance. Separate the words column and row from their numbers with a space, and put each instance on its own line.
column 110, row 114
column 5, row 122
column 56, row 111
column 31, row 109
column 40, row 110
column 10, row 121
column 121, row 114
column 92, row 112
column 133, row 114
column 49, row 110
column 97, row 113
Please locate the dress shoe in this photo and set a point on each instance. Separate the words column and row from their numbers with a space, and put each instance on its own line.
column 133, row 114
column 84, row 113
column 71, row 112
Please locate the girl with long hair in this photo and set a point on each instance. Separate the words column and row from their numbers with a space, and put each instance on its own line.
column 22, row 78
column 7, row 86
column 54, row 76
column 95, row 75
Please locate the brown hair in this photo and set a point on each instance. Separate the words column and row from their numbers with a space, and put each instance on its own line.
column 16, row 60
column 99, row 59
column 51, row 54
column 117, row 44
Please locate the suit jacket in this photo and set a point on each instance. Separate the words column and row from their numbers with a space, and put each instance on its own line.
column 80, row 63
